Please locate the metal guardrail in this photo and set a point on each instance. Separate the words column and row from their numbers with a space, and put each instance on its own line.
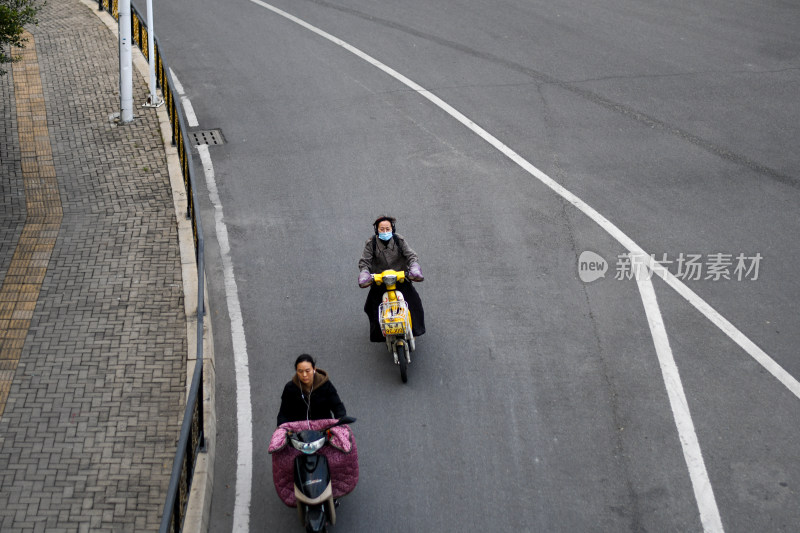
column 192, row 437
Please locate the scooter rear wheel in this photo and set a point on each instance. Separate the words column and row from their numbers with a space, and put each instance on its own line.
column 401, row 356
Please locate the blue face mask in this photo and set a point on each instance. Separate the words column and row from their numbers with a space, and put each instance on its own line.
column 385, row 236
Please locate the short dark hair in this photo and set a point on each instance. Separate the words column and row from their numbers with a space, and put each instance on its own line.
column 381, row 218
column 305, row 358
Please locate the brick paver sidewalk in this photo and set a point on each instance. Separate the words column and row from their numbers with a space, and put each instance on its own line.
column 92, row 326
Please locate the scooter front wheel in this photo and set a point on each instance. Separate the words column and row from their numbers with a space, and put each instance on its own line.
column 315, row 519
column 401, row 357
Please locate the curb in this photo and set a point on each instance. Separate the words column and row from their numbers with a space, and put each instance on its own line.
column 199, row 506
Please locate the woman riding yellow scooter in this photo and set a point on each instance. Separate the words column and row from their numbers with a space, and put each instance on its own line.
column 387, row 250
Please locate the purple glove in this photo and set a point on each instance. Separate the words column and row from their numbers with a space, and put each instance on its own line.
column 415, row 273
column 364, row 279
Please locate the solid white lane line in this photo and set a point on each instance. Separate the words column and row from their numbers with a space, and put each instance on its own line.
column 703, row 492
column 244, row 455
column 729, row 329
column 191, row 118
column 244, row 413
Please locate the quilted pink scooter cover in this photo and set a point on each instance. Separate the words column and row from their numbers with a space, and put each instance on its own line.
column 340, row 451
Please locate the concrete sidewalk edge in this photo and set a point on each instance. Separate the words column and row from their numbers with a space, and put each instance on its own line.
column 199, row 506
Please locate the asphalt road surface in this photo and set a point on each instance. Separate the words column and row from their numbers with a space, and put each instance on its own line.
column 536, row 401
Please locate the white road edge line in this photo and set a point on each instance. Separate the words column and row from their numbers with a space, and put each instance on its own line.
column 701, row 484
column 729, row 329
column 175, row 82
column 244, row 454
column 191, row 118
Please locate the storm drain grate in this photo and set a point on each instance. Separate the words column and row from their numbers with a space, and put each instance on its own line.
column 207, row 137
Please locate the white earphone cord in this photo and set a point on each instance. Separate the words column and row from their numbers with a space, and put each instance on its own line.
column 308, row 403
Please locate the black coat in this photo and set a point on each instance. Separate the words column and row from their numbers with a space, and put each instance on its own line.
column 323, row 401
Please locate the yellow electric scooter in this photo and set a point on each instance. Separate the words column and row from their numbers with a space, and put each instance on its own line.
column 395, row 320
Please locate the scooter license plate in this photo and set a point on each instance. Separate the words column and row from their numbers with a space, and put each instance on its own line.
column 393, row 329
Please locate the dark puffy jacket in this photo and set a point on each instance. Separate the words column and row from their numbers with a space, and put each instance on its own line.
column 321, row 402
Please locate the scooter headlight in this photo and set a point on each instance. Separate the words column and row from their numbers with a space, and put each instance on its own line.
column 390, row 279
column 308, row 447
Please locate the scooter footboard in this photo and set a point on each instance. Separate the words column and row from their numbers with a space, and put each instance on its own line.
column 327, row 494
